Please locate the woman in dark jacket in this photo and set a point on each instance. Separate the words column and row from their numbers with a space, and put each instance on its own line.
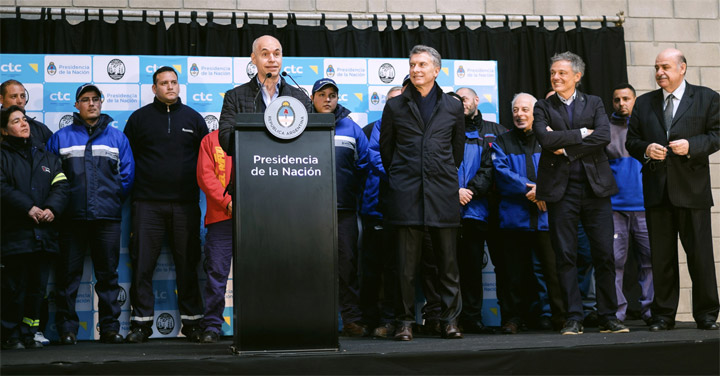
column 34, row 192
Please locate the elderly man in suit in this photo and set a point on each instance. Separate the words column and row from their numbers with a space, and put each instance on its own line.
column 575, row 180
column 673, row 131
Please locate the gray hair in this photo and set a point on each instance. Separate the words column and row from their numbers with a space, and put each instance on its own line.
column 394, row 88
column 437, row 60
column 515, row 97
column 578, row 66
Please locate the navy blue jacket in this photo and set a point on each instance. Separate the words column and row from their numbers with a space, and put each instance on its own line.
column 375, row 174
column 165, row 142
column 515, row 156
column 99, row 167
column 350, row 159
column 625, row 168
column 29, row 176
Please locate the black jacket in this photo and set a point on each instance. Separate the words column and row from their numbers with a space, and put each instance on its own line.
column 29, row 176
column 242, row 99
column 554, row 170
column 165, row 142
column 685, row 178
column 421, row 160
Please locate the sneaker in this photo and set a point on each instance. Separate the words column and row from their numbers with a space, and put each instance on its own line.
column 12, row 344
column 613, row 326
column 572, row 327
column 136, row 335
column 30, row 343
column 39, row 337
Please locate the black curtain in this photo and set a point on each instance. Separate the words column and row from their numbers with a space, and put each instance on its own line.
column 523, row 54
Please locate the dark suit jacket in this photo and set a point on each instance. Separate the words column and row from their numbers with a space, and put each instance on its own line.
column 686, row 178
column 554, row 170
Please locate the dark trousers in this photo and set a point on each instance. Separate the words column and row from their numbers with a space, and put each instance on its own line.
column 378, row 276
column 580, row 203
column 151, row 222
column 24, row 281
column 348, row 289
column 409, row 240
column 218, row 257
column 693, row 225
column 102, row 237
column 471, row 261
column 429, row 282
column 522, row 288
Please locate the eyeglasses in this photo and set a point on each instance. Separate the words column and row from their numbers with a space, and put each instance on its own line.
column 86, row 100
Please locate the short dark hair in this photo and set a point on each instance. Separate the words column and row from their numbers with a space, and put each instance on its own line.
column 161, row 70
column 5, row 115
column 624, row 85
column 4, row 85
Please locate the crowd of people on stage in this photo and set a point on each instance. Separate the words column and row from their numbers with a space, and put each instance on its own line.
column 561, row 199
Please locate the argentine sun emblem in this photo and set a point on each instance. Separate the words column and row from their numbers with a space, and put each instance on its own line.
column 286, row 115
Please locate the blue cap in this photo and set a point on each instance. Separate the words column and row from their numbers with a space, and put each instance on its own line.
column 406, row 80
column 321, row 83
column 84, row 88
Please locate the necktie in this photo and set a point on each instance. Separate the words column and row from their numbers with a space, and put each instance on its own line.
column 668, row 113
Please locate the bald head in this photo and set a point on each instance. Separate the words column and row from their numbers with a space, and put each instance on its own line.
column 670, row 69
column 267, row 56
column 470, row 101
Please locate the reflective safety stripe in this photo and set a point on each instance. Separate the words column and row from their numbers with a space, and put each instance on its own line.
column 136, row 318
column 58, row 177
column 30, row 322
column 347, row 142
column 186, row 317
column 78, row 151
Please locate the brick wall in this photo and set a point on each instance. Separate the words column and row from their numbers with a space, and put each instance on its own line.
column 692, row 26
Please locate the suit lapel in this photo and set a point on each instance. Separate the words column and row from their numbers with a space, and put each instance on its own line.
column 685, row 103
column 656, row 103
column 580, row 103
column 560, row 108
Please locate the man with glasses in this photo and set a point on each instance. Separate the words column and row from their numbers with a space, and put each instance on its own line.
column 99, row 166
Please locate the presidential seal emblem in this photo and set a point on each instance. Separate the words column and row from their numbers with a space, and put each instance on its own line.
column 51, row 69
column 212, row 122
column 194, row 70
column 165, row 323
column 330, row 71
column 250, row 69
column 386, row 73
column 116, row 69
column 374, row 98
column 286, row 118
column 461, row 71
column 65, row 121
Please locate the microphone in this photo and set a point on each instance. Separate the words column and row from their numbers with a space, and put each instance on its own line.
column 268, row 75
column 285, row 74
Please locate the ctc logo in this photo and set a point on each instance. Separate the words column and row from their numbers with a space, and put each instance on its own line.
column 342, row 98
column 293, row 69
column 202, row 97
column 60, row 96
column 10, row 67
column 151, row 68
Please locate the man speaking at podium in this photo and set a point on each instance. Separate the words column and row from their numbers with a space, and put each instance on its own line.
column 256, row 94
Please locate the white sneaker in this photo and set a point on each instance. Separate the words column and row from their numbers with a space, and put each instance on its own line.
column 39, row 337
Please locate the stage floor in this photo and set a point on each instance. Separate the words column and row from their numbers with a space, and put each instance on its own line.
column 684, row 350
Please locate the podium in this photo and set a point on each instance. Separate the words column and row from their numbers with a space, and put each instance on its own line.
column 284, row 238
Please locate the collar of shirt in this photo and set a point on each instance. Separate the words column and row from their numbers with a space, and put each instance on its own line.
column 568, row 101
column 265, row 95
column 678, row 94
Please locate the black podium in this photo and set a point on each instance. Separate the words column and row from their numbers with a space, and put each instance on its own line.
column 285, row 237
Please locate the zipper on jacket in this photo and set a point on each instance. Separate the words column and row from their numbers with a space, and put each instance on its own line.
column 168, row 115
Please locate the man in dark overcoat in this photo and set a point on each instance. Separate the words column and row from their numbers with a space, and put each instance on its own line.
column 421, row 145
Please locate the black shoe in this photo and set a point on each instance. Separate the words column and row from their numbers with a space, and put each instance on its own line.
column 545, row 323
column 68, row 338
column 660, row 325
column 12, row 344
column 137, row 335
column 111, row 337
column 404, row 333
column 613, row 326
column 707, row 325
column 30, row 343
column 475, row 326
column 431, row 327
column 209, row 336
column 572, row 327
column 193, row 333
